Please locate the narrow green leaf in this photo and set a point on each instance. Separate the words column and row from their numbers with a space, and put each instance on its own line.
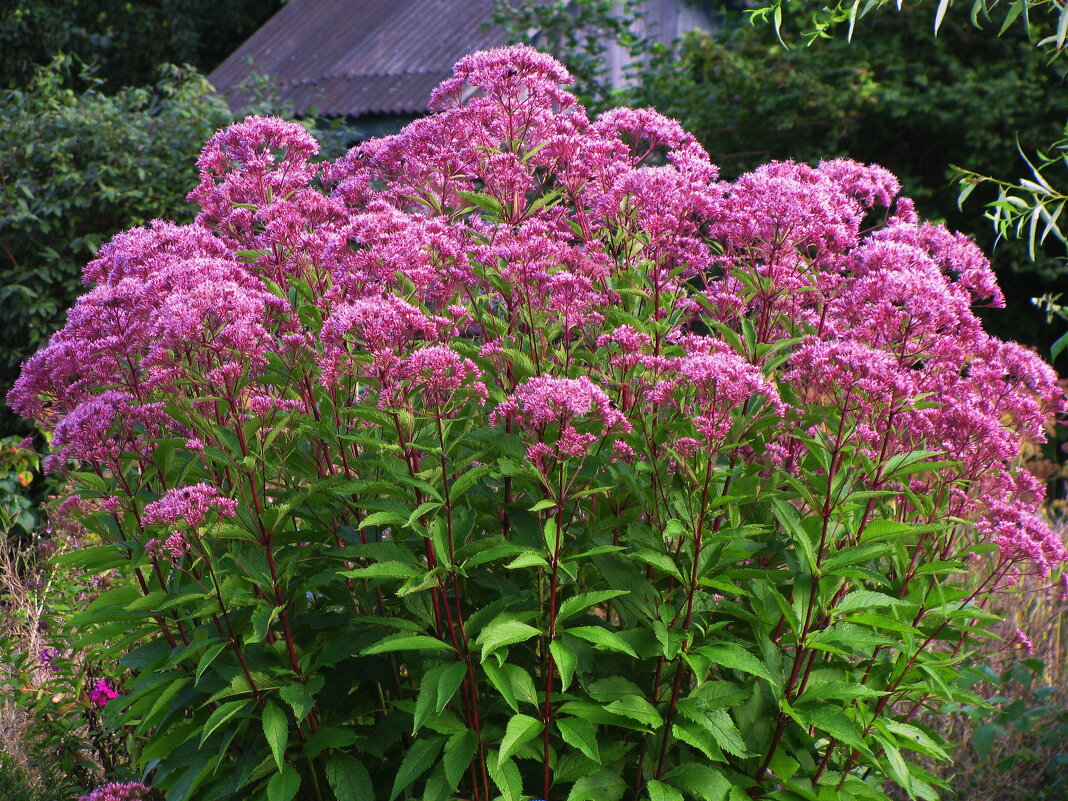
column 276, row 730
column 566, row 659
column 505, row 776
column 733, row 656
column 222, row 714
column 503, row 632
column 520, row 730
column 605, row 785
column 459, row 751
column 406, row 642
column 419, row 758
column 449, row 681
column 572, row 606
column 700, row 781
column 603, row 638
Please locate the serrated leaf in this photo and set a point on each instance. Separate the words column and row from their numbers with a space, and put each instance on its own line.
column 301, row 697
column 504, row 632
column 505, row 776
column 383, row 519
column 566, row 659
column 580, row 734
column 520, row 730
column 449, row 681
column 348, row 779
column 700, row 781
column 406, row 642
column 284, row 785
column 572, row 606
column 603, row 638
column 658, row 791
column 276, row 730
column 605, row 785
column 459, row 751
column 388, row 569
column 636, row 708
column 528, row 559
column 222, row 714
column 733, row 656
column 865, row 599
column 416, row 762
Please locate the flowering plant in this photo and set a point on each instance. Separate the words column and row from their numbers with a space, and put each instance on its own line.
column 516, row 456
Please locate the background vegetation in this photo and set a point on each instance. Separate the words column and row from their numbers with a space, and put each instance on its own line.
column 96, row 136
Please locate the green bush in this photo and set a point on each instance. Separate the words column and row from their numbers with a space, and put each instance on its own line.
column 76, row 167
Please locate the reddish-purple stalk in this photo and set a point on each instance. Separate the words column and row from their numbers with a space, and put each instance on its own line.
column 550, row 663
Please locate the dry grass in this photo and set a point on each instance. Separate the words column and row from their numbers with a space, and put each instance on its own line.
column 27, row 589
column 1032, row 710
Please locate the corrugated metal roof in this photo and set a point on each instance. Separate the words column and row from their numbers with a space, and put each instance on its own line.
column 359, row 57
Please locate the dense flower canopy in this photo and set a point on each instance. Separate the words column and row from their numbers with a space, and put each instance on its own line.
column 518, row 407
column 497, row 220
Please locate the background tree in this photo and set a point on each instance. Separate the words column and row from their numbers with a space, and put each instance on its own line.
column 894, row 96
column 126, row 40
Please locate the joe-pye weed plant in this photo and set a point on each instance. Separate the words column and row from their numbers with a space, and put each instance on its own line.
column 515, row 456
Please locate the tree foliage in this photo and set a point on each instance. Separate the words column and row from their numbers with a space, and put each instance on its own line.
column 124, row 40
column 894, row 95
column 77, row 166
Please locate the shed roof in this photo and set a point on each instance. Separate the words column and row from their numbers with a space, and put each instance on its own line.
column 359, row 57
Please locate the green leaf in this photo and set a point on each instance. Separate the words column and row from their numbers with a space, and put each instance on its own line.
column 658, row 791
column 301, row 696
column 502, row 632
column 552, row 535
column 528, row 559
column 520, row 730
column 426, row 698
column 276, row 730
column 865, row 599
column 406, row 642
column 566, row 659
column 505, row 776
column 636, row 708
column 222, row 714
column 572, row 606
column 700, row 781
column 580, row 734
column 605, row 785
column 719, row 724
column 388, row 569
column 284, row 785
column 348, row 779
column 419, row 758
column 459, row 751
column 733, row 656
column 603, row 638
column 449, row 681
column 383, row 519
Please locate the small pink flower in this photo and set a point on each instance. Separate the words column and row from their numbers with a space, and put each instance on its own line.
column 117, row 791
column 102, row 693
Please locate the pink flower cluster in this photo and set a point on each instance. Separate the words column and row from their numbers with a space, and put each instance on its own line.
column 556, row 408
column 117, row 791
column 102, row 692
column 188, row 505
column 481, row 256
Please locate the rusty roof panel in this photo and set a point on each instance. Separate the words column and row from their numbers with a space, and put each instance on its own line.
column 358, row 57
